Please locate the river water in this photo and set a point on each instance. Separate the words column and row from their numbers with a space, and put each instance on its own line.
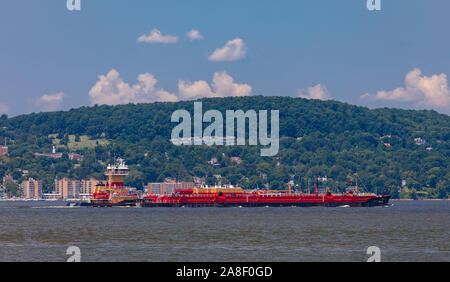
column 405, row 231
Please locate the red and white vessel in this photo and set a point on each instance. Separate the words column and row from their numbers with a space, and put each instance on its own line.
column 114, row 192
column 231, row 196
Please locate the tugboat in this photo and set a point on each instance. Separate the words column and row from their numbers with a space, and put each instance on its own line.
column 113, row 193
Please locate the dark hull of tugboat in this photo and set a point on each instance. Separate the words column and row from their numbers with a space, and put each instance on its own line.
column 373, row 202
column 104, row 204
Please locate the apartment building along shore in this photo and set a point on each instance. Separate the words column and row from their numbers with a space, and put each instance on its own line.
column 70, row 189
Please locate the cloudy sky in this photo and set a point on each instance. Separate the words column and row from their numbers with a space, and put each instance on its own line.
column 114, row 52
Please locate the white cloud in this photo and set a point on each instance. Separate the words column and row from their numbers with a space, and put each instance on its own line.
column 222, row 86
column 156, row 36
column 51, row 102
column 193, row 90
column 315, row 92
column 3, row 109
column 194, row 35
column 427, row 91
column 232, row 51
column 112, row 90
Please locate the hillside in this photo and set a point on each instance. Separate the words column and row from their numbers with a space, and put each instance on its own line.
column 326, row 138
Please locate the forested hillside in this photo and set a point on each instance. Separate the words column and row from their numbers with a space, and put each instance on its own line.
column 326, row 138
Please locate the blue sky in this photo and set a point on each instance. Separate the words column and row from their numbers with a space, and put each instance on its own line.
column 51, row 58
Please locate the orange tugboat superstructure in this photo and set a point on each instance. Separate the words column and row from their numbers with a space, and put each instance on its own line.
column 114, row 192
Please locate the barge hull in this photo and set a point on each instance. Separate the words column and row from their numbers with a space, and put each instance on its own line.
column 131, row 203
column 379, row 201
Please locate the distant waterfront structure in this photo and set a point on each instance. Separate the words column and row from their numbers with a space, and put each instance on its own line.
column 213, row 161
column 237, row 160
column 8, row 177
column 72, row 189
column 67, row 188
column 3, row 150
column 74, row 156
column 199, row 181
column 53, row 154
column 31, row 189
column 161, row 188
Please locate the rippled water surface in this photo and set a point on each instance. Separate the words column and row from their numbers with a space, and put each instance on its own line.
column 406, row 231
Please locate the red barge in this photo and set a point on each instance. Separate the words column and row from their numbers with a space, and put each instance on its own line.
column 114, row 193
column 236, row 197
